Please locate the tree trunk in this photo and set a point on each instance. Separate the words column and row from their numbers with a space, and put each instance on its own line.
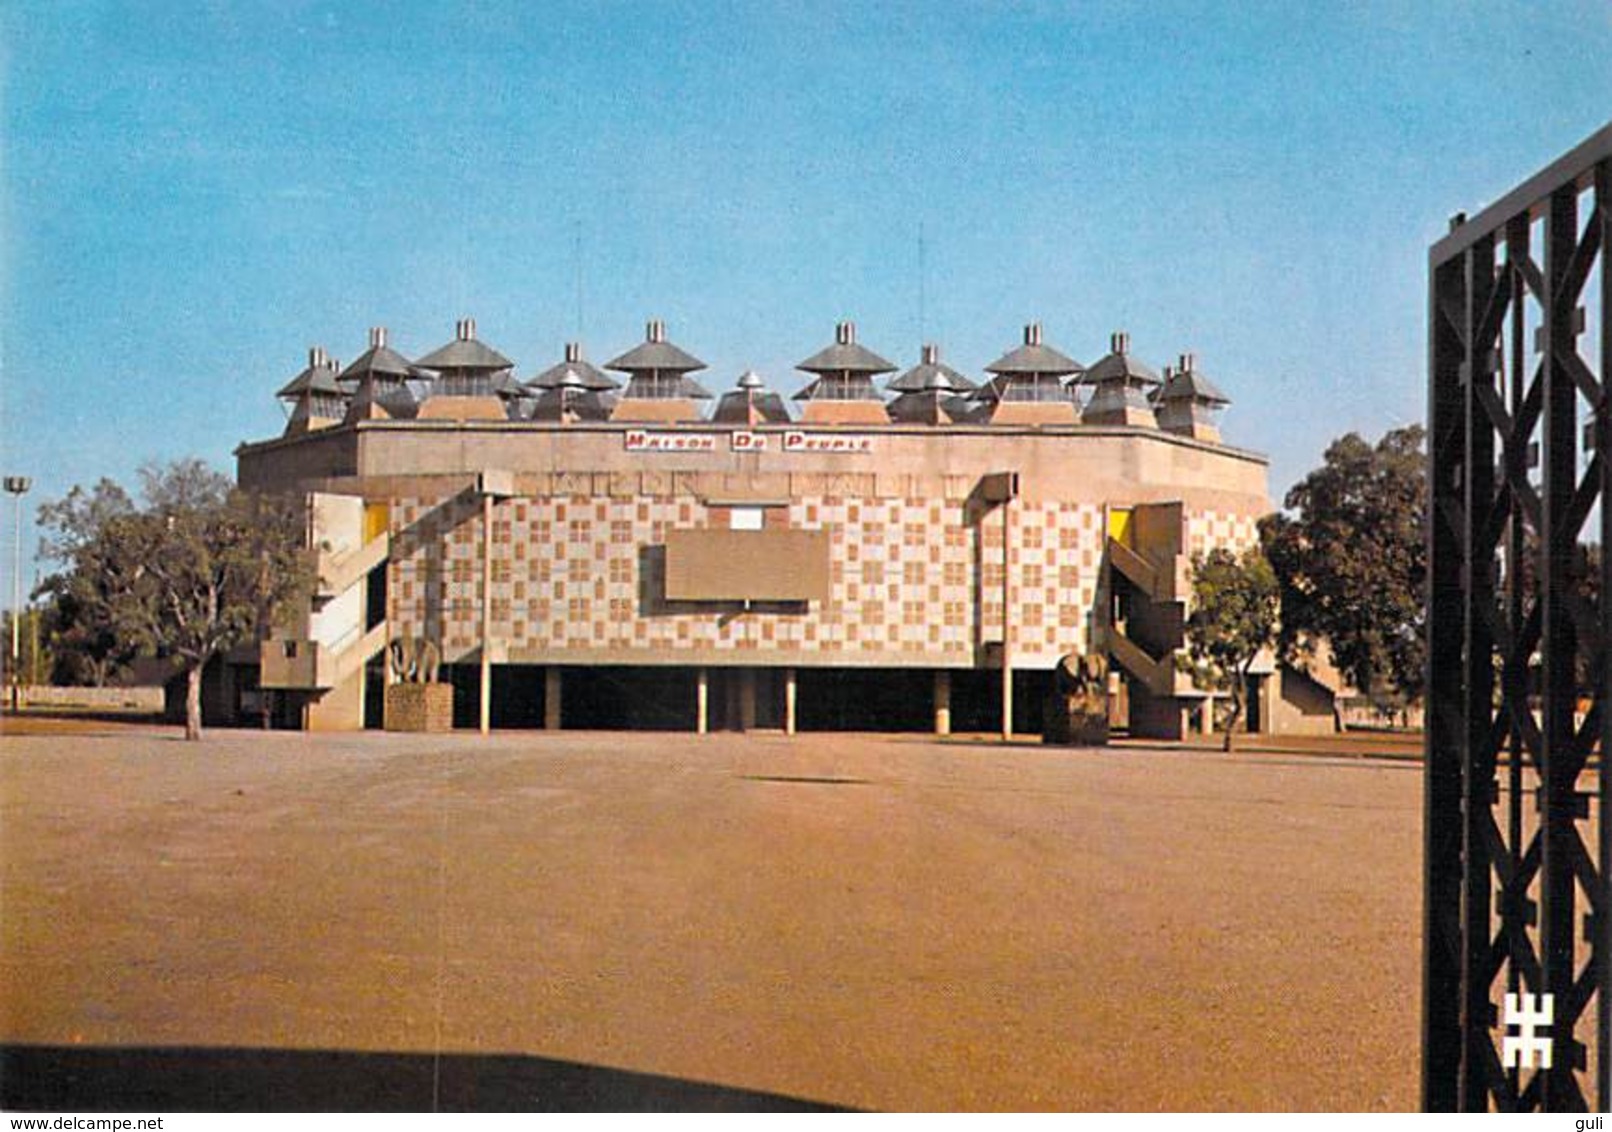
column 1232, row 721
column 193, row 721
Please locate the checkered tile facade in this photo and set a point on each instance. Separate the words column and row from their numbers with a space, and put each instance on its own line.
column 913, row 580
column 1209, row 529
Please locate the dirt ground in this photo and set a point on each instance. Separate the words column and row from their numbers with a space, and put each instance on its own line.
column 873, row 922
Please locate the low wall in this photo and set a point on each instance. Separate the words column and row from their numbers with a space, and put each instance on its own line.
column 147, row 699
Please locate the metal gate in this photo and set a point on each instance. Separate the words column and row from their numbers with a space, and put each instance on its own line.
column 1518, row 920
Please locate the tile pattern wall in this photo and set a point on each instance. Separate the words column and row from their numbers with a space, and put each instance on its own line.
column 578, row 572
column 1209, row 529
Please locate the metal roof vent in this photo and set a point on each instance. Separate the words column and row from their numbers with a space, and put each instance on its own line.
column 377, row 337
column 315, row 397
column 655, row 331
column 1122, row 387
column 465, row 329
column 929, row 355
column 1189, row 400
column 750, row 403
column 1032, row 334
column 845, row 333
column 573, row 351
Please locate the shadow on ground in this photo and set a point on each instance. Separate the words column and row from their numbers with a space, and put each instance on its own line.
column 182, row 1079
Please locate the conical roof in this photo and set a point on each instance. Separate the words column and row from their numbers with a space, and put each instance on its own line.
column 845, row 356
column 465, row 352
column 1120, row 365
column 568, row 397
column 928, row 406
column 750, row 402
column 319, row 377
column 931, row 374
column 573, row 365
column 655, row 354
column 1187, row 384
column 1034, row 357
column 378, row 359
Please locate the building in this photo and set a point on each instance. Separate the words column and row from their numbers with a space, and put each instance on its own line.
column 585, row 554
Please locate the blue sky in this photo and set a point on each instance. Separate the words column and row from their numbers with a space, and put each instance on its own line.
column 196, row 193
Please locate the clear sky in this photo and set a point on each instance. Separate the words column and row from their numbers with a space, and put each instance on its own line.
column 196, row 193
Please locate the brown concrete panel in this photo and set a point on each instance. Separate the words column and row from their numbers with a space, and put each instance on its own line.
column 718, row 565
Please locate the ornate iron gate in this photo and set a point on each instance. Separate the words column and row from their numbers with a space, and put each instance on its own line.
column 1518, row 918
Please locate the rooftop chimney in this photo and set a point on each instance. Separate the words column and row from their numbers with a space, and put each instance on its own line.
column 573, row 351
column 1189, row 362
column 655, row 331
column 1032, row 334
column 1120, row 343
column 465, row 329
column 377, row 337
column 317, row 357
column 931, row 354
column 845, row 333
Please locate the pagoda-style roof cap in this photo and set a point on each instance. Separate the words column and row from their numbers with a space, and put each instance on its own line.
column 750, row 402
column 569, row 398
column 464, row 352
column 319, row 377
column 1034, row 357
column 574, row 366
column 655, row 353
column 378, row 359
column 1120, row 365
column 1186, row 383
column 931, row 375
column 845, row 356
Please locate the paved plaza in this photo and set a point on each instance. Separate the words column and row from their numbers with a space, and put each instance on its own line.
column 590, row 919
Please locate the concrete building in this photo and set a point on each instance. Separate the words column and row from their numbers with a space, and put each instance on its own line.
column 584, row 556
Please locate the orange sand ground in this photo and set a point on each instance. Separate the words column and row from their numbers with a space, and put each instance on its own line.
column 878, row 922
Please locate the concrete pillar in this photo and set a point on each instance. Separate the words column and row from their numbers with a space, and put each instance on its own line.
column 747, row 699
column 702, row 701
column 551, row 697
column 789, row 701
column 486, row 613
column 1007, row 621
column 943, row 701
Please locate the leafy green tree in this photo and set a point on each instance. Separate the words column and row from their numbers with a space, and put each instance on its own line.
column 1351, row 558
column 196, row 570
column 1234, row 616
column 78, row 603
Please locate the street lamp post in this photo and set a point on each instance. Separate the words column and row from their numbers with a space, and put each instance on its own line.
column 17, row 487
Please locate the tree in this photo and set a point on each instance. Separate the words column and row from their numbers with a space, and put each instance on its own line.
column 198, row 569
column 78, row 603
column 1235, row 601
column 1351, row 559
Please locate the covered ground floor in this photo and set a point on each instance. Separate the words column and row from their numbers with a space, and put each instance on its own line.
column 702, row 699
